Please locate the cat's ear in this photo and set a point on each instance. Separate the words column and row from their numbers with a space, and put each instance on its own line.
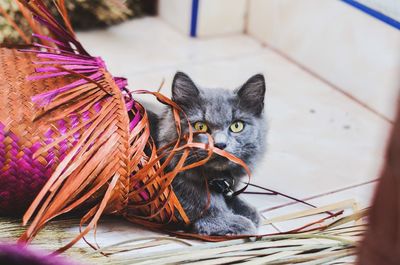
column 184, row 91
column 251, row 94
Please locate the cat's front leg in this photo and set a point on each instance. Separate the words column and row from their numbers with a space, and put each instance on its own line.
column 224, row 224
column 220, row 220
column 240, row 207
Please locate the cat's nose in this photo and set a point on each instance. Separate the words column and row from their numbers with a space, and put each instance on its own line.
column 221, row 146
column 220, row 140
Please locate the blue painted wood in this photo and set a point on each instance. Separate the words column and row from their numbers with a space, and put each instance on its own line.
column 376, row 14
column 194, row 18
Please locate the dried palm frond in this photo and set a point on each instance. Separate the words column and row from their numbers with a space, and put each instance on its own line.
column 77, row 136
column 87, row 14
column 68, row 140
column 84, row 14
column 10, row 15
column 333, row 241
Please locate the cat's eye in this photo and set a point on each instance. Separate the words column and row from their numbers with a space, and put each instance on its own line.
column 201, row 126
column 237, row 126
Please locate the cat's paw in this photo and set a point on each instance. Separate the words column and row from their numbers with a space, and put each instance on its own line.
column 250, row 213
column 240, row 207
column 225, row 225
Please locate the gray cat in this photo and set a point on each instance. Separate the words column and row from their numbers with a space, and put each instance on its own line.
column 235, row 121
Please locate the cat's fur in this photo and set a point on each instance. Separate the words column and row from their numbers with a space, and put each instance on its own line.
column 218, row 108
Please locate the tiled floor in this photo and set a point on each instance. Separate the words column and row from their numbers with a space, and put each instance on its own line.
column 320, row 141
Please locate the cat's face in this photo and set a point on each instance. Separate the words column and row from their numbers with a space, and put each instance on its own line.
column 233, row 118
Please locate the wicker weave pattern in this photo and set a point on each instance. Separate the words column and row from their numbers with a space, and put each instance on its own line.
column 113, row 152
column 66, row 138
column 22, row 176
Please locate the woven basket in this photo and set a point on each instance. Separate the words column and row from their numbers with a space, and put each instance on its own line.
column 22, row 176
column 71, row 135
column 40, row 143
column 67, row 139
